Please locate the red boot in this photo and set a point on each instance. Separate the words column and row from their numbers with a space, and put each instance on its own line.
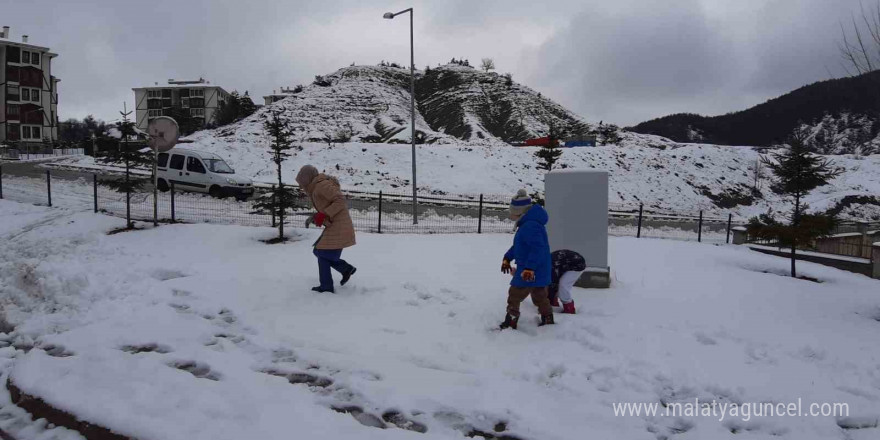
column 568, row 308
column 554, row 301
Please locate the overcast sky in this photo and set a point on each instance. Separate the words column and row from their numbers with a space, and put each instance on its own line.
column 623, row 61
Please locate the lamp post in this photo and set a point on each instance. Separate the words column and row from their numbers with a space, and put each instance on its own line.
column 412, row 102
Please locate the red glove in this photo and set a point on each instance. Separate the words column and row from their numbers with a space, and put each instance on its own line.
column 528, row 275
column 319, row 218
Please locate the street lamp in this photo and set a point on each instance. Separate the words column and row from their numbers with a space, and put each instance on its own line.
column 412, row 103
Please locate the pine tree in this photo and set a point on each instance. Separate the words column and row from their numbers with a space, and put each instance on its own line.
column 549, row 154
column 281, row 198
column 796, row 171
column 246, row 106
column 129, row 157
column 185, row 121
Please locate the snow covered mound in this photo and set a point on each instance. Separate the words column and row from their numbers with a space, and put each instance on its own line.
column 372, row 104
column 368, row 103
column 218, row 336
column 473, row 105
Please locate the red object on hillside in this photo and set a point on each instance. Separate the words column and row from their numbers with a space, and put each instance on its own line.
column 538, row 142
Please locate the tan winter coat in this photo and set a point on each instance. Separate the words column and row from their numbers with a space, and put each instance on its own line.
column 327, row 198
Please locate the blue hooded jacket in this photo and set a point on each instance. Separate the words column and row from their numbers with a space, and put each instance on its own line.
column 531, row 248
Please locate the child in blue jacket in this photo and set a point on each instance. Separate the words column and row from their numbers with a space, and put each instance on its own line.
column 531, row 252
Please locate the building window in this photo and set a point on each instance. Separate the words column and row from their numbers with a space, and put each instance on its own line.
column 154, row 113
column 197, row 92
column 199, row 112
column 35, row 58
column 13, row 110
column 30, row 95
column 25, row 57
column 184, row 102
column 13, row 54
column 197, row 102
column 31, row 132
column 13, row 93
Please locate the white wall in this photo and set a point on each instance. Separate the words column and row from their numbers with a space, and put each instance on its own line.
column 577, row 202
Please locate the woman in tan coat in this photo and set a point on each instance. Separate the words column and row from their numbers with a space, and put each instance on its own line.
column 333, row 215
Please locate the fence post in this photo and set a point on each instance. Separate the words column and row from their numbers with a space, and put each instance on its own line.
column 639, row 229
column 273, row 206
column 729, row 224
column 173, row 215
column 380, row 212
column 480, row 217
column 700, row 228
column 49, row 186
column 95, row 190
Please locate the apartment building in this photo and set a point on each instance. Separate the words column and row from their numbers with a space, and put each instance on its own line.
column 275, row 97
column 28, row 91
column 199, row 97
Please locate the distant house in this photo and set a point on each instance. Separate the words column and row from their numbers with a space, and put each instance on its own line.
column 586, row 141
column 538, row 142
column 200, row 97
column 28, row 91
column 275, row 97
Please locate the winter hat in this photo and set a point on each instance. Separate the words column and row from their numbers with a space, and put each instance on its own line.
column 305, row 176
column 520, row 203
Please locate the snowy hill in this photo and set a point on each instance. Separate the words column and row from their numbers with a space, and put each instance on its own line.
column 842, row 111
column 372, row 104
column 471, row 105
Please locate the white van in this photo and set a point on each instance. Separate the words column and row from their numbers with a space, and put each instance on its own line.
column 198, row 171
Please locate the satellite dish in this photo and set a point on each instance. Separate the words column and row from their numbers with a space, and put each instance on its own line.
column 163, row 132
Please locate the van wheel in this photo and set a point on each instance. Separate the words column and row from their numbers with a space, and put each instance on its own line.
column 163, row 185
column 216, row 192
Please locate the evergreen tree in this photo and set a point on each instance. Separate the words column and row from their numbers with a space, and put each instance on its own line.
column 130, row 157
column 185, row 122
column 246, row 106
column 549, row 154
column 796, row 171
column 281, row 198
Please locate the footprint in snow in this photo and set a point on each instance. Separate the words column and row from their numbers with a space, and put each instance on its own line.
column 167, row 274
column 197, row 369
column 704, row 339
column 151, row 347
column 56, row 350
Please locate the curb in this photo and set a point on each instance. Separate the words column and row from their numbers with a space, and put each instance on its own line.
column 39, row 409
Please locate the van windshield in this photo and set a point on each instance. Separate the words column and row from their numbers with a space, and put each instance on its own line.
column 218, row 166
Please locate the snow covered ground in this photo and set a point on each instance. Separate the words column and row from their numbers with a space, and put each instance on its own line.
column 202, row 331
column 685, row 179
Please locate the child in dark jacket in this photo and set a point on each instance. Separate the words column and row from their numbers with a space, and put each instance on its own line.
column 531, row 252
column 567, row 268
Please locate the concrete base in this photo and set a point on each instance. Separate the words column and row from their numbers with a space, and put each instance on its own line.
column 595, row 278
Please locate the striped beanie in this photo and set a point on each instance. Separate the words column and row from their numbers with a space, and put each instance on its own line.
column 520, row 203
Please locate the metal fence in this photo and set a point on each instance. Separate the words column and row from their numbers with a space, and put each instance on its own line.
column 848, row 239
column 26, row 153
column 379, row 212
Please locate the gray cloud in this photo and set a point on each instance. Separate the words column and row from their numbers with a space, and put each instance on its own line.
column 623, row 61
